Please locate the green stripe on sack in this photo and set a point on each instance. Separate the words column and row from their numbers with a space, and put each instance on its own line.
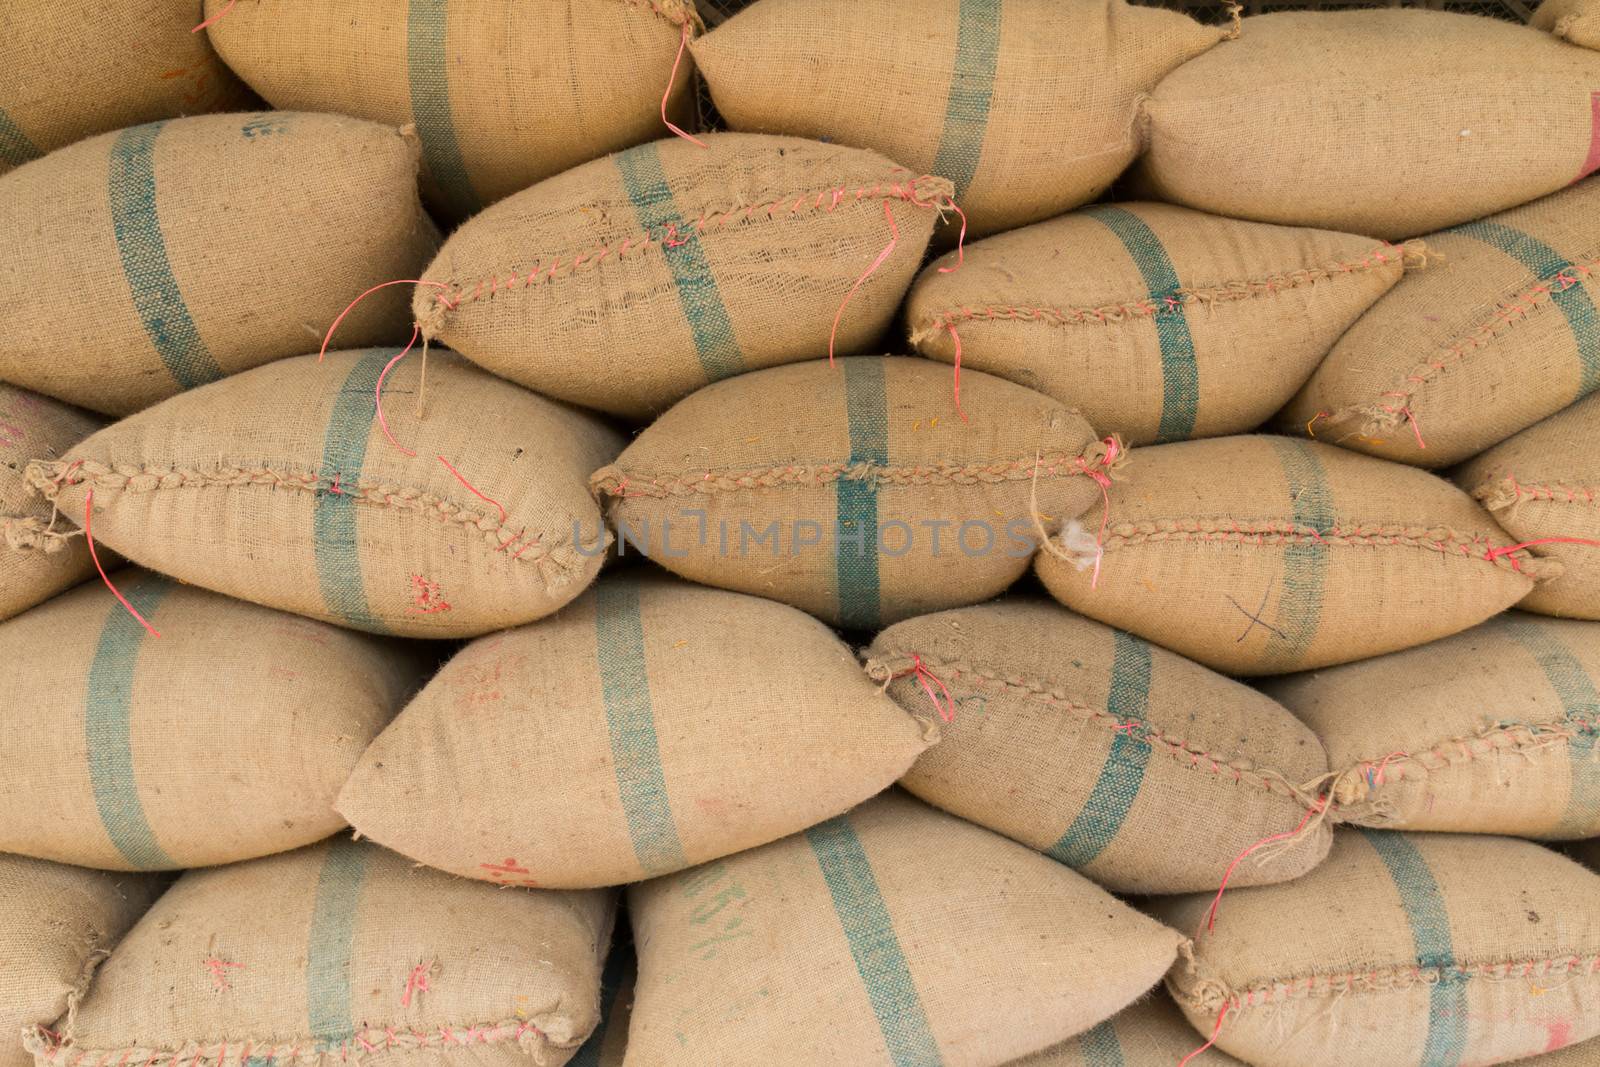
column 1545, row 263
column 428, row 69
column 698, row 295
column 1305, row 564
column 15, row 146
column 1430, row 934
column 618, row 964
column 1101, row 1047
column 873, row 944
column 331, row 943
column 1180, row 376
column 1581, row 703
column 156, row 297
column 334, row 521
column 867, row 413
column 635, row 749
column 108, row 729
column 1122, row 774
column 966, row 110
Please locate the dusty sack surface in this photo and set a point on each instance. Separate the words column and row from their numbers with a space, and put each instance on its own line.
column 1544, row 483
column 626, row 284
column 1157, row 322
column 830, row 485
column 279, row 486
column 226, row 738
column 37, row 559
column 650, row 726
column 1264, row 555
column 1101, row 750
column 343, row 950
column 982, row 92
column 1151, row 1033
column 211, row 245
column 1441, row 118
column 895, row 934
column 1402, row 948
column 1577, row 21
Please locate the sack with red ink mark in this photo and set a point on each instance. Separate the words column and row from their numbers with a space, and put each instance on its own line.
column 1577, row 21
column 1150, row 1033
column 287, row 486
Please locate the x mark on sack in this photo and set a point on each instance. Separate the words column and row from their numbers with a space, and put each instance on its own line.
column 1255, row 617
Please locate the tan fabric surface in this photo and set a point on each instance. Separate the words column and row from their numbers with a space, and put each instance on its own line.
column 1151, row 1033
column 1577, row 21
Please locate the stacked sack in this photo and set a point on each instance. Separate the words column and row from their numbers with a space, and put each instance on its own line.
column 495, row 572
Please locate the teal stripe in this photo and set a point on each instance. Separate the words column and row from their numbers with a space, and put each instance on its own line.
column 1581, row 703
column 1180, row 376
column 428, row 68
column 155, row 293
column 333, row 523
column 873, row 944
column 15, row 146
column 1123, row 772
column 698, row 296
column 1101, row 1047
column 618, row 965
column 1305, row 564
column 856, row 563
column 108, row 729
column 966, row 109
column 1545, row 263
column 1430, row 935
column 635, row 749
column 332, row 941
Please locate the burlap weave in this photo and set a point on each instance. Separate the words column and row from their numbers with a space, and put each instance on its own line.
column 1151, row 1033
column 1577, row 21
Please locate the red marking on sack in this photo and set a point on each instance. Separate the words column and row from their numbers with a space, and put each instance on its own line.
column 1591, row 163
column 1217, row 1030
column 888, row 249
column 219, row 972
column 1495, row 553
column 417, row 983
column 672, row 79
column 504, row 871
column 1211, row 913
column 212, row 20
column 377, row 392
column 1560, row 1034
column 426, row 598
column 88, row 535
column 327, row 337
column 474, row 490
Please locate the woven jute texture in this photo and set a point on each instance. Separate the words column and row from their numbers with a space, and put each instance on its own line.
column 1490, row 731
column 37, row 561
column 876, row 501
column 1439, row 118
column 1151, row 1033
column 650, row 726
column 1103, row 751
column 1545, row 483
column 280, row 486
column 500, row 95
column 628, row 283
column 1577, row 21
column 343, row 952
column 1031, row 107
column 168, row 255
column 225, row 739
column 70, row 73
column 608, row 1044
column 1264, row 555
column 56, row 924
column 1400, row 949
column 1157, row 322
column 893, row 935
column 1456, row 358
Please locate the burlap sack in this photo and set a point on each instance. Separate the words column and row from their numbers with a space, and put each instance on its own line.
column 1584, row 1055
column 856, row 492
column 608, row 1045
column 1264, row 555
column 1577, row 21
column 169, row 255
column 1158, row 322
column 1029, row 106
column 892, row 935
column 342, row 953
column 1390, row 123
column 72, row 72
column 56, row 924
column 1544, row 485
column 37, row 558
column 1151, row 1033
column 1402, row 949
column 1460, row 356
column 651, row 726
column 629, row 283
column 500, row 97
column 1102, row 751
column 1490, row 731
column 279, row 486
column 123, row 750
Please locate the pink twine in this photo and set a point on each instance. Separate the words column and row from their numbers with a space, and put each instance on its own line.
column 377, row 392
column 894, row 239
column 1211, row 915
column 416, row 984
column 1223, row 1014
column 474, row 491
column 88, row 535
column 956, row 337
column 1103, row 480
column 352, row 305
column 961, row 239
column 1495, row 553
column 215, row 17
column 672, row 79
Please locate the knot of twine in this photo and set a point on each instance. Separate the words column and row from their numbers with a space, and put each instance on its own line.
column 24, row 533
column 937, row 692
column 1099, row 462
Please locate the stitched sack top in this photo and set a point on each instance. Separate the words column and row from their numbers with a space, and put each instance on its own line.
column 1151, row 1033
column 1577, row 21
column 1263, row 555
column 1101, row 750
column 279, row 486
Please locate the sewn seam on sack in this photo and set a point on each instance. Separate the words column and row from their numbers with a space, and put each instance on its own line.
column 1507, row 492
column 1495, row 739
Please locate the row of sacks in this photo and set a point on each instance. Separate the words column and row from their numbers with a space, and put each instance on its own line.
column 893, row 934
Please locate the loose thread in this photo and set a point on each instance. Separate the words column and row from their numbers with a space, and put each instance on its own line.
column 422, row 380
column 475, row 492
column 323, row 351
column 1495, row 553
column 956, row 337
column 417, row 983
column 377, row 392
column 1096, row 471
column 88, row 535
column 1311, row 426
column 1211, row 914
column 961, row 238
column 927, row 679
column 1215, row 1033
column 214, row 18
column 672, row 79
column 888, row 249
